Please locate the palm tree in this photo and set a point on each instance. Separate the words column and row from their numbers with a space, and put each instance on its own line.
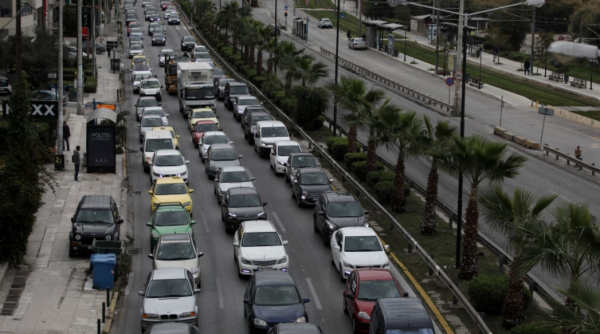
column 435, row 139
column 373, row 109
column 204, row 7
column 570, row 246
column 510, row 216
column 263, row 41
column 479, row 160
column 227, row 16
column 311, row 72
column 284, row 51
column 292, row 65
column 583, row 317
column 349, row 94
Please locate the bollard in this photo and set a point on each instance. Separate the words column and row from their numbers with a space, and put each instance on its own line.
column 103, row 312
column 431, row 269
column 593, row 171
column 410, row 248
column 99, row 326
column 107, row 296
column 502, row 259
column 454, row 300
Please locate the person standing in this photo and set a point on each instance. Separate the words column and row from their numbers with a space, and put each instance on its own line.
column 76, row 161
column 578, row 153
column 66, row 136
column 526, row 66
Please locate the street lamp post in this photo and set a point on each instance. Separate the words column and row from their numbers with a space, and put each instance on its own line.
column 337, row 49
column 405, row 43
column 545, row 63
column 275, row 34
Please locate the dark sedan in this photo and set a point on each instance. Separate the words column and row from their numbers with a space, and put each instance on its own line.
column 309, row 184
column 241, row 204
column 271, row 298
column 188, row 43
column 335, row 210
column 174, row 19
column 159, row 38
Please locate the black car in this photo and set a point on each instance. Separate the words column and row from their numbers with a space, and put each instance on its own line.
column 174, row 328
column 295, row 328
column 232, row 90
column 335, row 210
column 188, row 43
column 152, row 26
column 271, row 298
column 241, row 204
column 220, row 87
column 174, row 19
column 400, row 315
column 159, row 38
column 298, row 160
column 96, row 217
column 250, row 125
column 249, row 110
column 309, row 184
column 99, row 47
column 153, row 17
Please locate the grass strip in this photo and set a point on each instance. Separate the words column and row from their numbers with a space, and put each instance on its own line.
column 594, row 114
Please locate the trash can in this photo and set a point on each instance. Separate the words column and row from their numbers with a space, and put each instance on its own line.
column 566, row 78
column 115, row 64
column 103, row 267
column 59, row 161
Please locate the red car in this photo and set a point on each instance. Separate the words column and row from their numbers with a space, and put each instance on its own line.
column 132, row 25
column 363, row 288
column 200, row 128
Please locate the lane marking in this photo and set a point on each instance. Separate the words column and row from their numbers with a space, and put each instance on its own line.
column 220, row 295
column 561, row 196
column 313, row 292
column 129, row 284
column 204, row 222
column 278, row 222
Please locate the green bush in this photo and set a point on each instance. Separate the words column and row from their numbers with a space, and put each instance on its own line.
column 258, row 80
column 239, row 64
column 337, row 147
column 379, row 176
column 487, row 293
column 533, row 328
column 90, row 84
column 278, row 96
column 251, row 73
column 383, row 191
column 288, row 105
column 317, row 123
column 351, row 158
column 360, row 169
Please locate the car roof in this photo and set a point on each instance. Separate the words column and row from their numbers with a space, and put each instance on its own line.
column 168, row 273
column 214, row 133
column 357, row 231
column 154, row 108
column 266, row 278
column 167, row 152
column 96, row 202
column 310, row 170
column 270, row 123
column 375, row 274
column 404, row 313
column 246, row 97
column 260, row 113
column 297, row 154
column 170, row 207
column 297, row 328
column 242, row 191
column 169, row 180
column 147, row 98
column 165, row 128
column 236, row 83
column 152, row 116
column 338, row 196
column 233, row 169
column 174, row 237
column 206, row 121
column 158, row 134
column 287, row 143
column 150, row 79
column 220, row 146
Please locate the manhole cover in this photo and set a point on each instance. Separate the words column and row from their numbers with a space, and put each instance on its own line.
column 133, row 251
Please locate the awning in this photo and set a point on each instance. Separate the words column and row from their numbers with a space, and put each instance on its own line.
column 392, row 26
column 374, row 22
column 420, row 17
column 102, row 113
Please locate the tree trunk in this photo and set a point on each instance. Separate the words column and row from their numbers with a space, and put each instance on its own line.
column 428, row 225
column 288, row 86
column 234, row 43
column 371, row 152
column 512, row 310
column 252, row 50
column 468, row 266
column 398, row 200
column 259, row 61
column 352, row 133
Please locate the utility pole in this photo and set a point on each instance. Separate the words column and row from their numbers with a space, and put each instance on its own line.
column 275, row 36
column 460, row 41
column 532, row 39
column 337, row 49
column 359, row 17
column 59, row 89
column 437, row 36
column 18, row 49
column 93, row 37
column 79, row 58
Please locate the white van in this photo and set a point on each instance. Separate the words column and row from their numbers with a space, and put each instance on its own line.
column 267, row 133
column 154, row 141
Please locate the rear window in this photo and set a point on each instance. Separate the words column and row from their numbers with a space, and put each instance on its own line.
column 239, row 90
column 3, row 82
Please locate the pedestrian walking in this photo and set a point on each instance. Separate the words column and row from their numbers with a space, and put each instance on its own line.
column 578, row 153
column 66, row 136
column 108, row 52
column 349, row 34
column 76, row 161
column 526, row 66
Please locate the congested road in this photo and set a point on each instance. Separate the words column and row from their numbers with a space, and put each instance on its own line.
column 220, row 302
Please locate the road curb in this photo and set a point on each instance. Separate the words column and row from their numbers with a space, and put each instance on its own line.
column 111, row 312
column 3, row 271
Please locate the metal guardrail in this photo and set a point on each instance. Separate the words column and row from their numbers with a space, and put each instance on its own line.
column 427, row 100
column 413, row 244
column 577, row 162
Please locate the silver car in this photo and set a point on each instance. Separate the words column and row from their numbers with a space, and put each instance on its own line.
column 147, row 123
column 169, row 296
column 136, row 50
column 164, row 53
column 241, row 102
column 356, row 43
column 232, row 177
column 220, row 88
column 219, row 156
column 209, row 138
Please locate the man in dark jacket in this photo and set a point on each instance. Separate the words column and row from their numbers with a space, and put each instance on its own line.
column 66, row 136
column 76, row 161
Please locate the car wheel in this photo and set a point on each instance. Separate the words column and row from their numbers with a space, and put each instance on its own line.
column 245, row 135
column 324, row 235
column 298, row 201
column 293, row 194
column 199, row 283
column 315, row 228
column 285, row 176
column 345, row 306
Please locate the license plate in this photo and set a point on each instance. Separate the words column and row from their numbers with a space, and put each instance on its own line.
column 264, row 268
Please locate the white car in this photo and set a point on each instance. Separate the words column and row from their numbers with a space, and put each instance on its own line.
column 357, row 43
column 257, row 246
column 151, row 87
column 136, row 32
column 147, row 123
column 136, row 50
column 232, row 177
column 202, row 57
column 357, row 247
column 159, row 111
column 325, row 23
column 73, row 52
column 164, row 53
column 177, row 251
column 168, row 12
column 209, row 138
column 241, row 102
column 280, row 152
column 137, row 79
column 200, row 48
column 167, row 163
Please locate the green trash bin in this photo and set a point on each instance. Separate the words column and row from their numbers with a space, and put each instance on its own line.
column 115, row 64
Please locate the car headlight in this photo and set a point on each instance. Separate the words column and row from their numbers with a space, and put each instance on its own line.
column 263, row 144
column 155, row 235
column 330, row 226
column 348, row 265
column 149, row 316
column 260, row 322
column 156, row 174
column 108, row 237
column 231, row 214
column 363, row 315
column 366, row 224
column 77, row 237
column 187, row 314
column 194, row 270
column 282, row 260
column 301, row 319
column 280, row 163
column 182, row 174
column 262, row 214
column 246, row 261
column 386, row 264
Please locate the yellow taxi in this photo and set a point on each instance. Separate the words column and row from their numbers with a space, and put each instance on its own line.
column 139, row 60
column 201, row 114
column 170, row 190
column 172, row 131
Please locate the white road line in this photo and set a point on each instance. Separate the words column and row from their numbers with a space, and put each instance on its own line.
column 561, row 196
column 204, row 222
column 313, row 292
column 278, row 222
column 129, row 284
column 177, row 28
column 220, row 295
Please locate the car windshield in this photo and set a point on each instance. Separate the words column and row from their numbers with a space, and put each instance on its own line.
column 166, row 288
column 276, row 295
column 275, row 131
column 203, row 114
column 136, row 47
column 326, row 20
column 158, row 112
column 256, row 119
column 174, row 251
column 218, row 71
column 158, row 35
column 373, row 290
column 170, row 189
column 173, row 16
column 362, row 244
column 159, row 144
column 189, row 39
column 223, row 155
column 222, row 83
column 167, row 53
column 168, row 160
column 199, row 93
column 347, row 209
column 284, row 151
column 244, row 201
column 239, row 90
column 313, row 179
column 410, row 331
column 358, row 40
column 171, row 218
column 141, row 60
column 140, row 77
column 150, row 84
column 200, row 48
column 141, row 67
column 147, row 102
column 206, row 127
column 203, row 55
column 216, row 140
column 151, row 122
column 136, row 31
column 230, row 177
column 95, row 216
column 136, row 38
column 248, row 102
column 304, row 161
column 261, row 239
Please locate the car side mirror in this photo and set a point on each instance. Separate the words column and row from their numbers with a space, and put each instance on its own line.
column 257, row 135
column 218, row 116
column 161, row 87
column 295, row 181
column 405, row 294
column 139, row 125
column 141, row 293
column 151, row 255
column 167, row 115
column 322, row 213
column 187, row 161
column 197, row 291
column 120, row 221
column 149, row 224
column 331, row 180
column 192, row 222
column 285, row 242
column 200, row 254
column 135, row 105
column 350, row 295
column 305, row 300
column 253, row 179
column 73, row 219
column 141, row 149
column 272, row 153
column 265, row 203
column 285, row 164
column 236, row 244
column 149, row 163
column 150, row 192
column 247, row 301
column 337, row 248
column 387, row 247
column 190, row 191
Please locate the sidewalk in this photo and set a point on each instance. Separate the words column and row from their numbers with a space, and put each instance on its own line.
column 48, row 294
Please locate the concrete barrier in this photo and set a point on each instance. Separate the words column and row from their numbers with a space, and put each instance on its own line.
column 518, row 140
column 531, row 144
column 573, row 117
column 499, row 131
column 508, row 136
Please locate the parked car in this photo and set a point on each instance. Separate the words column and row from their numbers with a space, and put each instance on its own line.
column 241, row 204
column 219, row 156
column 309, row 184
column 5, row 86
column 335, row 210
column 169, row 218
column 357, row 247
column 232, row 177
column 357, row 43
column 298, row 160
column 100, row 48
column 257, row 246
column 46, row 95
column 169, row 296
column 280, row 152
column 177, row 250
column 325, row 23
